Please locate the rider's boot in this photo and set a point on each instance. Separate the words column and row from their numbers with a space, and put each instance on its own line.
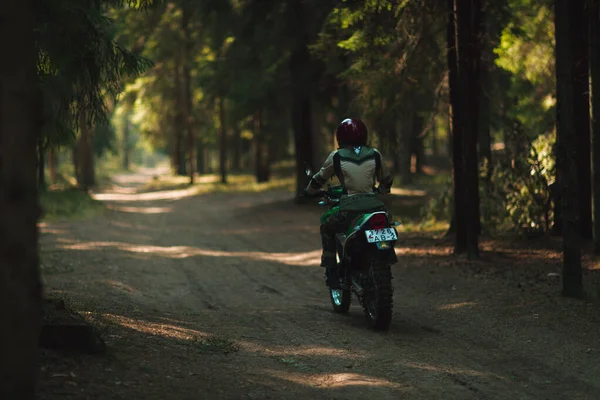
column 329, row 262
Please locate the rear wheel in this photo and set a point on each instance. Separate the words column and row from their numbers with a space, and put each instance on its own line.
column 378, row 297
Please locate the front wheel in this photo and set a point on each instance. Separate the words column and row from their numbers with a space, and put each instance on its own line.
column 340, row 300
column 378, row 297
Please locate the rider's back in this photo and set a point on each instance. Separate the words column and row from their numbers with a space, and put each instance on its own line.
column 356, row 168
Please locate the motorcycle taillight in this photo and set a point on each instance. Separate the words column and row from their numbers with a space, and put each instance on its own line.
column 378, row 221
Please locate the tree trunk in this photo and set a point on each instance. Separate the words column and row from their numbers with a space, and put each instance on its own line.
column 301, row 107
column 52, row 166
column 208, row 156
column 435, row 145
column 581, row 113
column 179, row 126
column 20, row 285
column 237, row 148
column 404, row 134
column 86, row 154
column 41, row 162
column 457, row 129
column 469, row 72
column 75, row 161
column 200, row 167
column 485, row 89
column 187, row 87
column 222, row 141
column 126, row 143
column 417, row 146
column 485, row 140
column 594, row 25
column 567, row 149
column 261, row 157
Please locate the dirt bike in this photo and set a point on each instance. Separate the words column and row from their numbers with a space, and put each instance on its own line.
column 365, row 253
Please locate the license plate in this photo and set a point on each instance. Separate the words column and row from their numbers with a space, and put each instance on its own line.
column 381, row 235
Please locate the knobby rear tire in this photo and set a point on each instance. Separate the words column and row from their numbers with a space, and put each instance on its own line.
column 378, row 301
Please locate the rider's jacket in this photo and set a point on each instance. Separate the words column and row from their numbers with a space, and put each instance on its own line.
column 357, row 168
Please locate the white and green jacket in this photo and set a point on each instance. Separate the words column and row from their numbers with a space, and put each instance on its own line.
column 357, row 168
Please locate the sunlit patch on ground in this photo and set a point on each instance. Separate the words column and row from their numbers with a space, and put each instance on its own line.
column 156, row 329
column 308, row 351
column 454, row 306
column 45, row 228
column 140, row 210
column 162, row 195
column 273, row 229
column 310, row 258
column 123, row 287
column 423, row 251
column 140, row 177
column 450, row 370
column 335, row 381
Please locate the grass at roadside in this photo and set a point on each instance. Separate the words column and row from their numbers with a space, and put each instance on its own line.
column 212, row 183
column 68, row 203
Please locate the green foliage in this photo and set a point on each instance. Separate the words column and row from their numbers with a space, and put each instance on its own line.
column 385, row 55
column 515, row 197
column 526, row 187
column 68, row 203
column 79, row 81
column 526, row 51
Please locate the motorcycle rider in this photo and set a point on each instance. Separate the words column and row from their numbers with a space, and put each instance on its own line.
column 357, row 167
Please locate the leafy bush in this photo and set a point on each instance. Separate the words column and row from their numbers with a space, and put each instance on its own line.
column 516, row 195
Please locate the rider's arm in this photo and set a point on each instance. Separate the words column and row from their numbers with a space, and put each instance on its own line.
column 385, row 180
column 320, row 178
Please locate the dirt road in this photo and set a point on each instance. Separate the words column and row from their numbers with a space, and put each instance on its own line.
column 221, row 297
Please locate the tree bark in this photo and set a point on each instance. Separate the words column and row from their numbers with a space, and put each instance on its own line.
column 20, row 285
column 594, row 25
column 457, row 128
column 435, row 145
column 200, row 163
column 581, row 113
column 52, row 166
column 402, row 135
column 126, row 143
column 179, row 126
column 485, row 88
column 301, row 107
column 75, row 161
column 187, row 87
column 208, row 156
column 41, row 162
column 567, row 149
column 222, row 141
column 469, row 59
column 417, row 146
column 261, row 157
column 237, row 148
column 86, row 154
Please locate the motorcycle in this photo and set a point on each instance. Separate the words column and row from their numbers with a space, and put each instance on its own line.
column 365, row 253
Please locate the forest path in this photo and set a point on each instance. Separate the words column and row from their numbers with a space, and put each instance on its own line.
column 221, row 296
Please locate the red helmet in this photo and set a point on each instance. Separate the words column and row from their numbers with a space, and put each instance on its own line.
column 351, row 132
